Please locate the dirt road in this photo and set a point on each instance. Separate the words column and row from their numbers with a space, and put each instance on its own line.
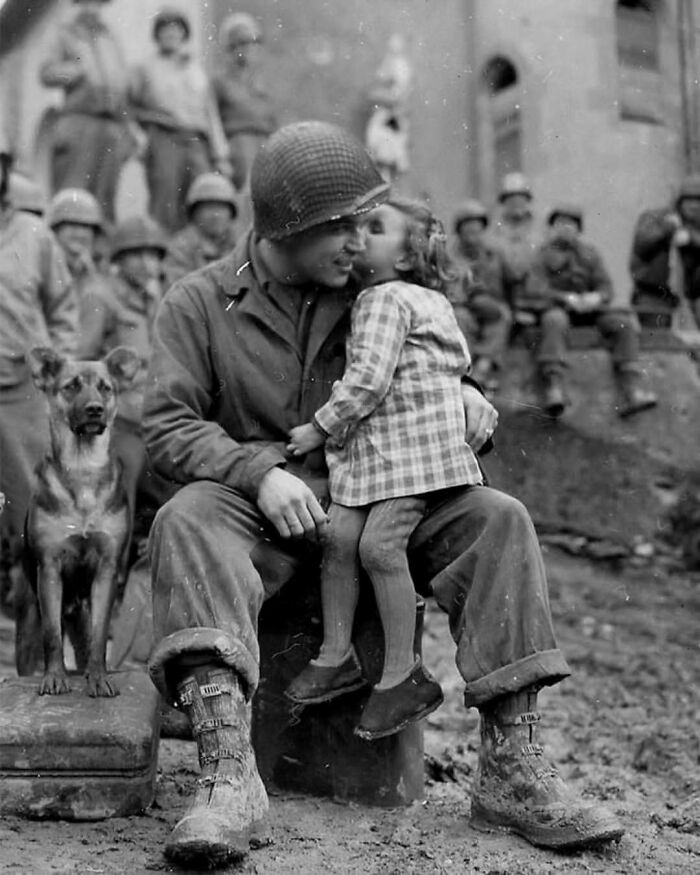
column 625, row 728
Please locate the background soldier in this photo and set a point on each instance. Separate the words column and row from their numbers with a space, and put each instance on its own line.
column 480, row 297
column 210, row 232
column 172, row 99
column 93, row 138
column 569, row 285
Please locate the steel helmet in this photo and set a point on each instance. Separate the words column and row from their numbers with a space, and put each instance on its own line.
column 239, row 28
column 137, row 232
column 26, row 195
column 571, row 211
column 514, row 183
column 170, row 15
column 309, row 173
column 211, row 187
column 468, row 210
column 75, row 205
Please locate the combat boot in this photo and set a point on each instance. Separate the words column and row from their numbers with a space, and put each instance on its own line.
column 517, row 790
column 229, row 810
column 553, row 396
column 633, row 396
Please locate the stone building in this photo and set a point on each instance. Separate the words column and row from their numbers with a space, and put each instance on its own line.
column 594, row 101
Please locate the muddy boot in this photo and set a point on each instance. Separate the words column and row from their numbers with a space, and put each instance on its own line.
column 518, row 791
column 229, row 809
column 553, row 397
column 633, row 396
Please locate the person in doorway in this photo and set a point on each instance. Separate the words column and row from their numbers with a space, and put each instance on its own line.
column 172, row 99
column 210, row 232
column 244, row 350
column 569, row 285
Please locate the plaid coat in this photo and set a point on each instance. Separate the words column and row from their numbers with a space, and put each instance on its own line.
column 396, row 419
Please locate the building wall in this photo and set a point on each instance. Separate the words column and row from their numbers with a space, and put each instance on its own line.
column 576, row 146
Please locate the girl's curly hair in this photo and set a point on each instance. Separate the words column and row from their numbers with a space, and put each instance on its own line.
column 426, row 246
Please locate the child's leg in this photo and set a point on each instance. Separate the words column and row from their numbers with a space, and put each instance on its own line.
column 383, row 545
column 340, row 585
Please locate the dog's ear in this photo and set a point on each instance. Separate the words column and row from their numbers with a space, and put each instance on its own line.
column 123, row 364
column 45, row 364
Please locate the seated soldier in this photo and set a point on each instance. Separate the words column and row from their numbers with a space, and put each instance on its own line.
column 665, row 259
column 569, row 285
column 479, row 297
column 210, row 233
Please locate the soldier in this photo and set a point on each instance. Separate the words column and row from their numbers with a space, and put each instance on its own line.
column 37, row 307
column 93, row 137
column 246, row 108
column 665, row 258
column 244, row 350
column 480, row 297
column 173, row 100
column 26, row 195
column 137, row 251
column 76, row 219
column 210, row 232
column 514, row 232
column 569, row 285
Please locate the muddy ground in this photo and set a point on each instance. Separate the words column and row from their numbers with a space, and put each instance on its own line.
column 625, row 729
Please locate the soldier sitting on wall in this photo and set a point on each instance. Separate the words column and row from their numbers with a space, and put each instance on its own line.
column 513, row 232
column 210, row 233
column 480, row 297
column 569, row 285
column 665, row 258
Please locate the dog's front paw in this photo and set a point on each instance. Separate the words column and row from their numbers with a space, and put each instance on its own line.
column 99, row 684
column 54, row 683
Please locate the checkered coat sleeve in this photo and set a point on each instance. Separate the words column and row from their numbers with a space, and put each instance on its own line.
column 396, row 420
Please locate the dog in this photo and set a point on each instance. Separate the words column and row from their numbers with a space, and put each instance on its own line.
column 78, row 524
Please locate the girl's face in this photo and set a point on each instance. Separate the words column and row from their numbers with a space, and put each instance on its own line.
column 385, row 232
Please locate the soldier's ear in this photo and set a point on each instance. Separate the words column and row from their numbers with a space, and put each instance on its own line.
column 45, row 364
column 123, row 364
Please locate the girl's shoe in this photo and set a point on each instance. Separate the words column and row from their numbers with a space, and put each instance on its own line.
column 389, row 711
column 318, row 683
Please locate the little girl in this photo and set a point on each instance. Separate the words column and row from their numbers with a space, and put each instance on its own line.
column 394, row 430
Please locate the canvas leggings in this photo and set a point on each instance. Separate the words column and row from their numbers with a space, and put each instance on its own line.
column 215, row 559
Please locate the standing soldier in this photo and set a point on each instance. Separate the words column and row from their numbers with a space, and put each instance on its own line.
column 665, row 259
column 514, row 232
column 480, row 296
column 37, row 308
column 93, row 137
column 244, row 103
column 75, row 218
column 173, row 100
column 210, row 233
column 569, row 285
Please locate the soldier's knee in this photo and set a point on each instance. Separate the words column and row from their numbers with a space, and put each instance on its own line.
column 555, row 319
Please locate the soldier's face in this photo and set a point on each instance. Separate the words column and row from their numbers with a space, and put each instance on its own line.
column 689, row 209
column 74, row 238
column 326, row 255
column 212, row 218
column 471, row 231
column 170, row 38
column 140, row 266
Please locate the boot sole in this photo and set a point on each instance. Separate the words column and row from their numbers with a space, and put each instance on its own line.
column 373, row 734
column 202, row 853
column 329, row 695
column 567, row 839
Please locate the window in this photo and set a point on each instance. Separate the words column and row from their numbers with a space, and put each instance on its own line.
column 638, row 57
column 500, row 119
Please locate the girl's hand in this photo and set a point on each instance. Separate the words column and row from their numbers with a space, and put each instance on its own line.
column 303, row 439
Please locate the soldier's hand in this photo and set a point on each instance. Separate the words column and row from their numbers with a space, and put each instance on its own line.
column 291, row 506
column 681, row 237
column 481, row 416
